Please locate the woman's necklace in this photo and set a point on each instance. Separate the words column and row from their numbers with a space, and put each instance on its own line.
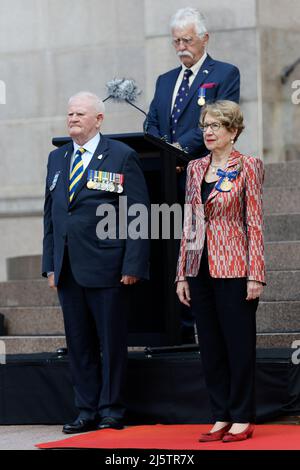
column 214, row 168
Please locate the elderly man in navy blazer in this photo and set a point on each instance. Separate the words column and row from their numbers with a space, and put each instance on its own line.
column 92, row 273
column 180, row 93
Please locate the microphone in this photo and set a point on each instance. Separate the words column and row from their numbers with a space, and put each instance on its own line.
column 122, row 89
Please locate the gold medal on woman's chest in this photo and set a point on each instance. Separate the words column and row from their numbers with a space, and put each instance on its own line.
column 226, row 185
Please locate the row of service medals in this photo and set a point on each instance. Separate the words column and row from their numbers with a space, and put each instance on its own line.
column 105, row 181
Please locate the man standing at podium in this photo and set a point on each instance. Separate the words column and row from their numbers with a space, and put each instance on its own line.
column 92, row 273
column 179, row 97
column 180, row 93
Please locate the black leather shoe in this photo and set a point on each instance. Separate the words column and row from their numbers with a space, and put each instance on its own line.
column 110, row 423
column 80, row 425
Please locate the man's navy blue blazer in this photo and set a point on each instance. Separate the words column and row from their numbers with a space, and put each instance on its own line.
column 226, row 86
column 94, row 262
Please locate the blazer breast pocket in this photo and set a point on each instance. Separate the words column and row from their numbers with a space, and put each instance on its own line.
column 207, row 93
column 211, row 95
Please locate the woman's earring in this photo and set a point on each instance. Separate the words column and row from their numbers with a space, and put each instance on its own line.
column 232, row 141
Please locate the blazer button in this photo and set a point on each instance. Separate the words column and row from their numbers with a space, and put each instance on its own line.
column 69, row 213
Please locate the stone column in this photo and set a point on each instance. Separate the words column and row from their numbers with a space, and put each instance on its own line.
column 279, row 38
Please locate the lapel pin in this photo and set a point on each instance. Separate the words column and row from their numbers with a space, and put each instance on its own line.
column 100, row 156
column 205, row 71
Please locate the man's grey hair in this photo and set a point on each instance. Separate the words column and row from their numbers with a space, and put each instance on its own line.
column 96, row 101
column 189, row 16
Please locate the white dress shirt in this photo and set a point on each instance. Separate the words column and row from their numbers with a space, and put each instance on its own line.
column 195, row 69
column 90, row 148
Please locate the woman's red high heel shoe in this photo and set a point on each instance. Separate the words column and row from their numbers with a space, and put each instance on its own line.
column 214, row 436
column 240, row 436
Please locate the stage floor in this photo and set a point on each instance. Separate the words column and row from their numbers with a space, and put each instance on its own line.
column 26, row 438
column 162, row 388
column 180, row 438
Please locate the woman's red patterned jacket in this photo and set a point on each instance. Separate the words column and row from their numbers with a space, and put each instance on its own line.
column 232, row 222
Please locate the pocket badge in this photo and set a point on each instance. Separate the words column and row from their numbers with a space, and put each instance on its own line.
column 53, row 184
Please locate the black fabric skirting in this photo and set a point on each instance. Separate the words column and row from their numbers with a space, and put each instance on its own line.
column 165, row 388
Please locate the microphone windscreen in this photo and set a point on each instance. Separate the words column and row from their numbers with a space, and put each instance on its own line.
column 122, row 89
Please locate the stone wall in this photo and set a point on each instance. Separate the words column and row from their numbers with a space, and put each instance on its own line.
column 50, row 49
column 279, row 32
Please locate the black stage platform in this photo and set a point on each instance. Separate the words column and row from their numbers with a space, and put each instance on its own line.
column 166, row 387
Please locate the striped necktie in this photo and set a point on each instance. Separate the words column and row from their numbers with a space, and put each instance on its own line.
column 76, row 172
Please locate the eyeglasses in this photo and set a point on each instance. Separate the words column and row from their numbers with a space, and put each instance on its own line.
column 185, row 41
column 215, row 126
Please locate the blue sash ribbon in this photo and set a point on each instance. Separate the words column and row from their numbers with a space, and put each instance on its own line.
column 231, row 175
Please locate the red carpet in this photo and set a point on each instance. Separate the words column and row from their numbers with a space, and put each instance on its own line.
column 179, row 437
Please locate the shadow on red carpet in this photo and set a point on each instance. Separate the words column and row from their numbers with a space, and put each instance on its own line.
column 179, row 437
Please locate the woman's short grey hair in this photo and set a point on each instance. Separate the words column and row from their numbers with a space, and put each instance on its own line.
column 189, row 16
column 96, row 101
column 227, row 113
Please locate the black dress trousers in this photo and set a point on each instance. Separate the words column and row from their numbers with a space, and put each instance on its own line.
column 96, row 325
column 226, row 327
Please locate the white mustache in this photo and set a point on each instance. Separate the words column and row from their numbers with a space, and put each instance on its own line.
column 183, row 53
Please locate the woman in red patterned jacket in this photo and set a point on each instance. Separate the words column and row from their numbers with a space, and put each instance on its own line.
column 221, row 269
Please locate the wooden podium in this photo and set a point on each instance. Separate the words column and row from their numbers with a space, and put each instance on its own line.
column 154, row 317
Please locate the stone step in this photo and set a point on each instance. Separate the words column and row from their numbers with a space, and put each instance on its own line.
column 40, row 344
column 279, row 255
column 282, row 227
column 278, row 340
column 49, row 320
column 283, row 316
column 24, row 267
column 27, row 293
column 282, row 286
column 32, row 344
column 278, row 227
column 282, row 175
column 33, row 320
column 282, row 256
column 278, row 316
column 281, row 200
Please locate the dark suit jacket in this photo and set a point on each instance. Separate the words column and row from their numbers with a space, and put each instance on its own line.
column 94, row 262
column 226, row 78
